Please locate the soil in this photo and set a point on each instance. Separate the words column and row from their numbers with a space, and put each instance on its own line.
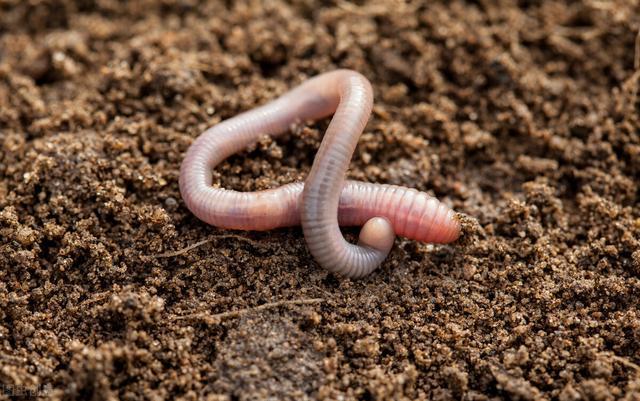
column 522, row 115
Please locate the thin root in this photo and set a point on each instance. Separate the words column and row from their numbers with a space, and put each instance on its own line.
column 219, row 317
column 200, row 243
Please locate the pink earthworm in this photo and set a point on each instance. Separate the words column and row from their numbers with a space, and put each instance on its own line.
column 325, row 200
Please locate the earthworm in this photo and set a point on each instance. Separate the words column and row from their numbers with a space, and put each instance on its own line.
column 325, row 200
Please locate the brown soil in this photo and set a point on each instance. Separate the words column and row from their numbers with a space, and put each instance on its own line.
column 523, row 115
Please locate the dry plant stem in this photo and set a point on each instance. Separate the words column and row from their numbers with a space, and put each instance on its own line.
column 328, row 200
column 218, row 317
column 200, row 243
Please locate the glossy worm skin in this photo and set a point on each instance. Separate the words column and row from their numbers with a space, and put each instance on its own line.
column 325, row 200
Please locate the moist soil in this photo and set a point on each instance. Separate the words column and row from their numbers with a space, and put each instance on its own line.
column 521, row 115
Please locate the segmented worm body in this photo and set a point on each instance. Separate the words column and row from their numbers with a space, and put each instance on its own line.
column 325, row 200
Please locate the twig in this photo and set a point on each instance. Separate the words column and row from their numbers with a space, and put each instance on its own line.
column 580, row 33
column 181, row 251
column 96, row 298
column 200, row 243
column 218, row 317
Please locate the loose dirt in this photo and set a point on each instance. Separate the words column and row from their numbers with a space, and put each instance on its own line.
column 522, row 115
